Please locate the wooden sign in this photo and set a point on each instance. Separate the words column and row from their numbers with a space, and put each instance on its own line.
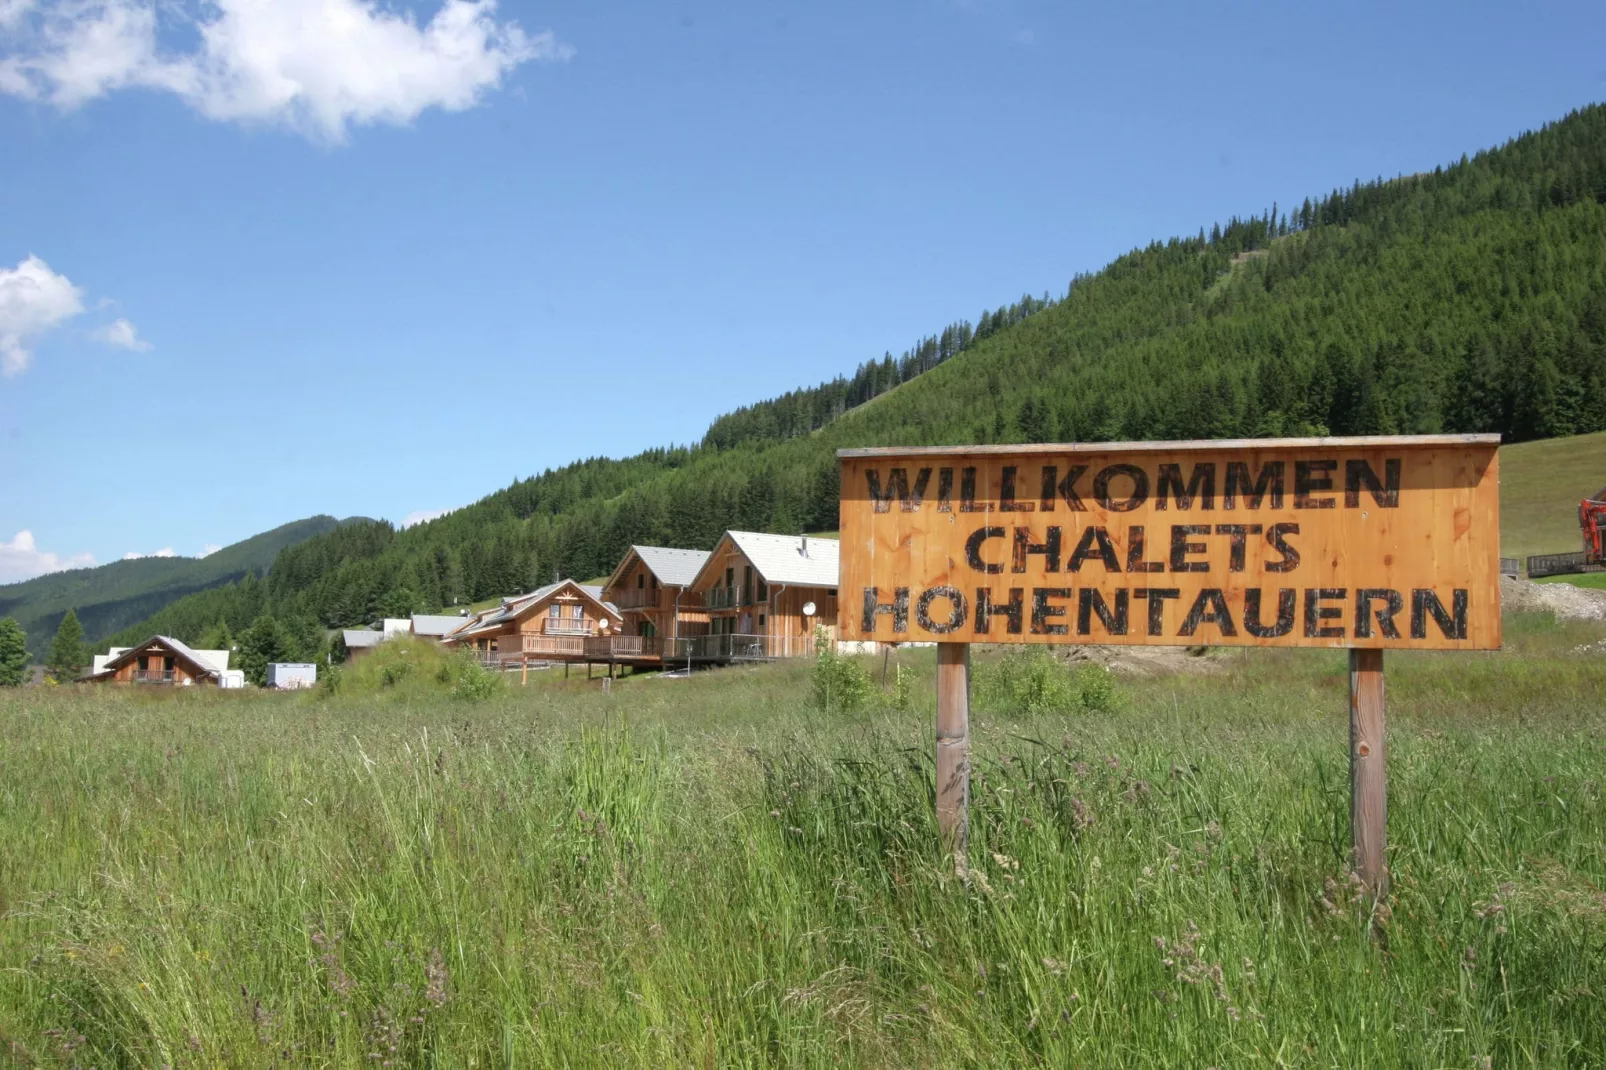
column 1370, row 543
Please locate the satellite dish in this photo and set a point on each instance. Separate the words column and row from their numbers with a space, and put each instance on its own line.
column 808, row 609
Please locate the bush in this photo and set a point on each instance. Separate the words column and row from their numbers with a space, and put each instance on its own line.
column 469, row 678
column 416, row 667
column 1034, row 681
column 840, row 683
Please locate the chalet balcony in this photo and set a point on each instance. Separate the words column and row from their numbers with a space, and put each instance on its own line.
column 570, row 626
column 636, row 598
column 153, row 676
column 727, row 598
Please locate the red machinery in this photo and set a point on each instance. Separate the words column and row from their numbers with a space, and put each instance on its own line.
column 1592, row 519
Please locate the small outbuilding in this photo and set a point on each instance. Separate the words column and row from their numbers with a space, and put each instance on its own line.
column 292, row 676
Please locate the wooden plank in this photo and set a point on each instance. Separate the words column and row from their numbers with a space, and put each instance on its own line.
column 953, row 748
column 1368, row 773
column 1340, row 543
column 1177, row 445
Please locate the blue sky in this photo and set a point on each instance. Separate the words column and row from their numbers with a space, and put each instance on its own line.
column 261, row 261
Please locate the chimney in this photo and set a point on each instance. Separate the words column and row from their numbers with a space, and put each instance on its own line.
column 805, row 550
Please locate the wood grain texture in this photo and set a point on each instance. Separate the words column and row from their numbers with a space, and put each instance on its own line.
column 953, row 747
column 1368, row 771
column 1372, row 543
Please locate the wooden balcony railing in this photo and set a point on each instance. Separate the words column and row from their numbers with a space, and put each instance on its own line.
column 727, row 598
column 699, row 649
column 570, row 626
column 153, row 676
column 635, row 598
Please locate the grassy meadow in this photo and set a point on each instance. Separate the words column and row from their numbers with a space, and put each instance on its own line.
column 715, row 872
column 1541, row 484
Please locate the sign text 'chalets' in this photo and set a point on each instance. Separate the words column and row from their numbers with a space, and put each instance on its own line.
column 1299, row 546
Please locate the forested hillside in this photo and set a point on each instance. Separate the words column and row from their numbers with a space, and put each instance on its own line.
column 1471, row 298
column 114, row 596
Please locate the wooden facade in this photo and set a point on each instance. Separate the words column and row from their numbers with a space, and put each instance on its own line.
column 651, row 606
column 158, row 662
column 553, row 623
column 761, row 603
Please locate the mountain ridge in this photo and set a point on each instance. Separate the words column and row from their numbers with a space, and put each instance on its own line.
column 1467, row 298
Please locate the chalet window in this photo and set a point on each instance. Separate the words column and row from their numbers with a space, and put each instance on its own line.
column 761, row 620
column 641, row 581
column 577, row 611
column 763, row 591
column 554, row 611
column 832, row 592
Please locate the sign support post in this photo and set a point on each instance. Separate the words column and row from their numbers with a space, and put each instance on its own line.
column 953, row 750
column 1368, row 777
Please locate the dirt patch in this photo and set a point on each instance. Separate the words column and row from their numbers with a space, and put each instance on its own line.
column 1563, row 599
column 1146, row 660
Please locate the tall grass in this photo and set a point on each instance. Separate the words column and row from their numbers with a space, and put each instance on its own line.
column 716, row 872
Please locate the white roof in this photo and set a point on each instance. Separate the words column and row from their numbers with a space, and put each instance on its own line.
column 801, row 560
column 674, row 568
column 434, row 625
column 356, row 638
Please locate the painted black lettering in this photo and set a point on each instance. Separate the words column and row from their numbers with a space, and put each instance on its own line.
column 1268, row 481
column 1049, row 548
column 967, row 493
column 1090, row 601
column 1309, row 477
column 1316, row 613
column 1392, row 601
column 1135, row 551
column 1105, row 552
column 1006, row 493
column 1157, row 597
column 1201, row 486
column 1285, row 614
column 1238, row 552
column 1051, row 474
column 1277, row 536
column 1424, row 601
column 945, row 490
column 1181, row 548
column 1209, row 608
column 1140, row 487
column 897, row 487
column 1042, row 610
column 973, row 550
column 987, row 609
column 897, row 609
column 1358, row 474
column 956, row 618
column 1067, row 488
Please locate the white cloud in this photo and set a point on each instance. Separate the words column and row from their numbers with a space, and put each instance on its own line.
column 33, row 300
column 423, row 516
column 21, row 559
column 209, row 549
column 134, row 555
column 123, row 335
column 318, row 66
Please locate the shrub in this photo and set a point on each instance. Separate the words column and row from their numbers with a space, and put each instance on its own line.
column 840, row 683
column 1034, row 681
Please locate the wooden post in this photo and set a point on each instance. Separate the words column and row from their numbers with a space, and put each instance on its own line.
column 953, row 749
column 1368, row 778
column 524, row 671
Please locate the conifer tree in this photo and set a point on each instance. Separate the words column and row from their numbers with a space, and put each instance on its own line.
column 67, row 655
column 13, row 653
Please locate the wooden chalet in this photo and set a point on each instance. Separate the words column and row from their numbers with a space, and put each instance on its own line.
column 652, row 587
column 163, row 661
column 765, row 595
column 553, row 623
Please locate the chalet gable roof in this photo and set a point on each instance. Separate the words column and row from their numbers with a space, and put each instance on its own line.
column 198, row 663
column 520, row 606
column 673, row 567
column 789, row 560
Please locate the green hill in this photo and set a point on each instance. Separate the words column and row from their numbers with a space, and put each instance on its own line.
column 1541, row 484
column 1468, row 298
column 112, row 597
